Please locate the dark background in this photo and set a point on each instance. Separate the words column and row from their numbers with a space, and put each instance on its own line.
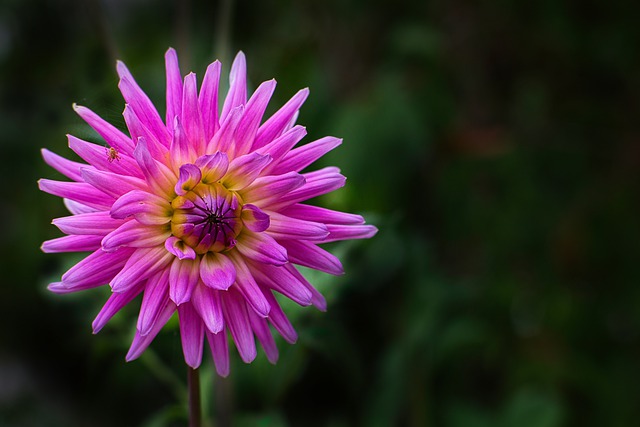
column 495, row 144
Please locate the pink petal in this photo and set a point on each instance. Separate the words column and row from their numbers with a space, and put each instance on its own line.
column 223, row 140
column 248, row 287
column 316, row 297
column 263, row 333
column 281, row 280
column 280, row 321
column 213, row 166
column 141, row 103
column 284, row 227
column 303, row 156
column 275, row 126
column 181, row 149
column 191, row 115
column 279, row 147
column 317, row 183
column 244, row 170
column 179, row 248
column 96, row 269
column 348, row 232
column 220, row 351
column 237, row 319
column 78, row 243
column 113, row 184
column 146, row 207
column 253, row 112
column 77, row 191
column 190, row 176
column 154, row 300
column 136, row 235
column 143, row 263
column 254, row 219
column 66, row 167
column 110, row 133
column 207, row 303
column 183, row 278
column 309, row 255
column 323, row 215
column 158, row 177
column 99, row 157
column 114, row 304
column 138, row 129
column 77, row 208
column 217, row 271
column 270, row 189
column 191, row 334
column 97, row 223
column 237, row 94
column 140, row 342
column 261, row 247
column 209, row 99
column 174, row 87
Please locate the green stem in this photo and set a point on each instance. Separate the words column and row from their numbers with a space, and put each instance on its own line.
column 193, row 382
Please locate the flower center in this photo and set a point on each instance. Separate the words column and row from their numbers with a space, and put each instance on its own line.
column 207, row 218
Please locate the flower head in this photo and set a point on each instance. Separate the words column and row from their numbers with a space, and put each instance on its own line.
column 201, row 213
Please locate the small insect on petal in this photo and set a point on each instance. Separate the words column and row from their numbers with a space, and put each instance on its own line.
column 112, row 154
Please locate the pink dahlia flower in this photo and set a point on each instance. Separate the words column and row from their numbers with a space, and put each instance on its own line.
column 201, row 214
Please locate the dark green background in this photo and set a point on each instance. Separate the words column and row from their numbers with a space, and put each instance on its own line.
column 495, row 144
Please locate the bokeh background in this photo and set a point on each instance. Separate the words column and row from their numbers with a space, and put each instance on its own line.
column 496, row 145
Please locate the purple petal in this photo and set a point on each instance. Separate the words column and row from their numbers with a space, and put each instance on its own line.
column 154, row 299
column 97, row 223
column 99, row 157
column 217, row 271
column 136, row 235
column 317, row 183
column 280, row 321
column 209, row 99
column 77, row 208
column 270, row 189
column 66, row 167
column 71, row 244
column 348, row 232
column 253, row 112
column 220, row 352
column 323, row 215
column 96, row 269
column 244, row 170
column 248, row 287
column 77, row 191
column 223, row 140
column 191, row 115
column 181, row 149
column 284, row 227
column 110, row 133
column 138, row 129
column 179, row 248
column 213, row 167
column 237, row 94
column 309, row 255
column 140, row 343
column 113, row 305
column 114, row 185
column 237, row 319
column 146, row 207
column 261, row 247
column 279, row 147
column 207, row 303
column 183, row 278
column 191, row 334
column 174, row 87
column 190, row 176
column 254, row 219
column 282, row 281
column 141, row 103
column 303, row 156
column 275, row 126
column 158, row 176
column 316, row 297
column 143, row 263
column 263, row 333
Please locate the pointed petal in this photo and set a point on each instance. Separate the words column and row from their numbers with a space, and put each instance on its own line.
column 154, row 299
column 174, row 87
column 190, row 176
column 191, row 335
column 263, row 333
column 244, row 170
column 112, row 184
column 309, row 255
column 253, row 112
column 136, row 235
column 220, row 352
column 183, row 278
column 213, row 166
column 157, row 175
column 77, row 208
column 209, row 99
column 217, row 271
column 143, row 263
column 317, row 183
column 66, row 167
column 276, row 125
column 138, row 129
column 80, row 192
column 237, row 94
column 180, row 249
column 113, row 136
column 284, row 227
column 191, row 115
column 301, row 157
column 78, row 243
column 98, row 156
column 181, row 148
column 207, row 303
column 281, row 280
column 261, row 247
column 237, row 320
column 280, row 146
column 97, row 223
column 96, row 269
column 280, row 321
column 348, row 232
column 266, row 190
column 146, row 207
column 316, row 297
column 254, row 218
column 248, row 287
column 140, row 342
column 114, row 304
column 318, row 214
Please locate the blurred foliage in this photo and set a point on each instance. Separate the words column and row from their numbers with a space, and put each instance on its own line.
column 494, row 144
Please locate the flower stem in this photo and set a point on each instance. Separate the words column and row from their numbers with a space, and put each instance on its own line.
column 193, row 382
